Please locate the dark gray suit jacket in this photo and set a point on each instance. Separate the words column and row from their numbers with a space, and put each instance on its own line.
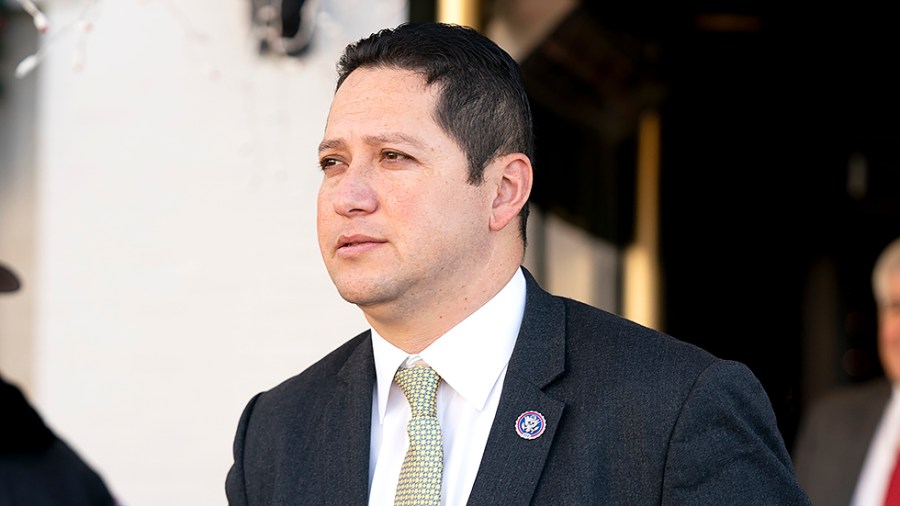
column 633, row 417
column 834, row 438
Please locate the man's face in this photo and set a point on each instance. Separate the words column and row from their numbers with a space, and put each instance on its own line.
column 400, row 228
column 889, row 330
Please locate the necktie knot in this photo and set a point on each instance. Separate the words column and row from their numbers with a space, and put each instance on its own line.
column 419, row 385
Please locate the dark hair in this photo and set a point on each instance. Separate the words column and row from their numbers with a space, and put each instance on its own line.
column 482, row 102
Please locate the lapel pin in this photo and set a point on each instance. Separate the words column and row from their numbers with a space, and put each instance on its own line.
column 530, row 425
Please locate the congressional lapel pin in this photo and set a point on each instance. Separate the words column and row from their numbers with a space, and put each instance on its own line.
column 530, row 425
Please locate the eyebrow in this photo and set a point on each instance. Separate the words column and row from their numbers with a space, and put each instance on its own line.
column 372, row 140
column 330, row 144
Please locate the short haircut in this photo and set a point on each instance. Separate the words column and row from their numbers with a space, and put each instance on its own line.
column 482, row 103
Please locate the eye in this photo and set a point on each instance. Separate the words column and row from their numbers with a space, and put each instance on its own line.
column 394, row 156
column 327, row 162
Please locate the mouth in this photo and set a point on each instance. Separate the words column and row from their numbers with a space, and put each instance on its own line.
column 355, row 244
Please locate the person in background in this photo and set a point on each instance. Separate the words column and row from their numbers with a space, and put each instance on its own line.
column 846, row 452
column 473, row 384
column 37, row 468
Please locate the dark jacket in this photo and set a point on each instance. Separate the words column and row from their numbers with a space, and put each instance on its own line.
column 633, row 416
column 37, row 468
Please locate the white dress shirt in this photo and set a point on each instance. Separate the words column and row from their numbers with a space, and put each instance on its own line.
column 471, row 358
column 879, row 464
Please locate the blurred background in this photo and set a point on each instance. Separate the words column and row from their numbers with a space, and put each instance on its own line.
column 723, row 171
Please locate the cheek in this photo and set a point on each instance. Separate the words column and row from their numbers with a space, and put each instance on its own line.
column 890, row 328
column 412, row 201
column 324, row 214
column 326, row 193
column 320, row 209
column 419, row 225
column 889, row 339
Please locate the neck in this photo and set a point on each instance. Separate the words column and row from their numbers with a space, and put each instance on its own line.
column 415, row 329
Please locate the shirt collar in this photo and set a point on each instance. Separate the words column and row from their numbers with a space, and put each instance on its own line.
column 470, row 357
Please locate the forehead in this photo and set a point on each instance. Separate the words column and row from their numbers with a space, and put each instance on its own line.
column 374, row 102
column 373, row 87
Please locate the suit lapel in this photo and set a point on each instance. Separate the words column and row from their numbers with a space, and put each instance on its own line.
column 511, row 466
column 348, row 422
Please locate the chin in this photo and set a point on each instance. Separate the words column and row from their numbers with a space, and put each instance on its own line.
column 359, row 292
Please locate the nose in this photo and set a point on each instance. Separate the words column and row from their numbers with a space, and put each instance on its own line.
column 353, row 193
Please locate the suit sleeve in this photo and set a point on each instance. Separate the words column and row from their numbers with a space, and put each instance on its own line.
column 235, row 482
column 726, row 447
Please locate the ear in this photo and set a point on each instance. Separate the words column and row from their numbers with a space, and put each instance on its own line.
column 512, row 177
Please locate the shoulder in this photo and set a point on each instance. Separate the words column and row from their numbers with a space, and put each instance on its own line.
column 324, row 374
column 631, row 364
column 594, row 344
column 272, row 415
column 53, row 475
column 596, row 332
column 851, row 399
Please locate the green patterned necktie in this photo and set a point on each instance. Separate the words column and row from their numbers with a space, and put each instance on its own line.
column 420, row 476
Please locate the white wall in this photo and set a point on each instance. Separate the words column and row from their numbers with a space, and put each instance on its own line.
column 174, row 269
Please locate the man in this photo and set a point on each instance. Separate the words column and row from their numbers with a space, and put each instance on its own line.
column 846, row 450
column 37, row 468
column 426, row 163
